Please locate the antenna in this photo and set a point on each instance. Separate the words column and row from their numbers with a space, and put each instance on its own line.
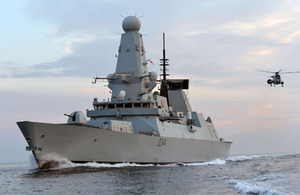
column 164, row 62
column 164, row 87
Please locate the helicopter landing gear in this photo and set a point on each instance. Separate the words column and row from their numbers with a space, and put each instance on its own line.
column 270, row 82
column 282, row 83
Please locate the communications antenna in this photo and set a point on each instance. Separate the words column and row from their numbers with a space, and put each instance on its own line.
column 164, row 62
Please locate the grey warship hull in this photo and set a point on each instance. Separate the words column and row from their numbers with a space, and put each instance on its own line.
column 80, row 143
column 136, row 124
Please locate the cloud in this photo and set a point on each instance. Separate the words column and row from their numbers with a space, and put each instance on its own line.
column 264, row 51
column 216, row 43
column 248, row 28
column 277, row 26
column 199, row 38
column 68, row 50
column 84, row 59
column 291, row 36
column 69, row 16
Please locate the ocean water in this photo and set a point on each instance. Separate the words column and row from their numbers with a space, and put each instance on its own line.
column 261, row 174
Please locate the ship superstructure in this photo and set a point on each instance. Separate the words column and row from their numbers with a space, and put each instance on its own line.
column 137, row 124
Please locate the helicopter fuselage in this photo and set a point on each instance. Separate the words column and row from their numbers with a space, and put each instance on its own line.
column 276, row 80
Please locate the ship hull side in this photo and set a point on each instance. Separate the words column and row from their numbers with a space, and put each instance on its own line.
column 89, row 144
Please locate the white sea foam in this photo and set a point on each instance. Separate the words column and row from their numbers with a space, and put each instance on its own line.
column 106, row 165
column 119, row 165
column 213, row 162
column 55, row 161
column 242, row 158
column 62, row 163
column 253, row 188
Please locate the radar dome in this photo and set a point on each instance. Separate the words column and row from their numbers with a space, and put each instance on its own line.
column 131, row 23
column 153, row 76
column 121, row 96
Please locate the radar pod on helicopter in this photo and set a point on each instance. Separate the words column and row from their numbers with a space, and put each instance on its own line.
column 276, row 78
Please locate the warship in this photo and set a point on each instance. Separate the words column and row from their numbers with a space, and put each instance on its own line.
column 137, row 124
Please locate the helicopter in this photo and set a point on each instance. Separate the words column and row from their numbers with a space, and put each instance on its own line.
column 276, row 79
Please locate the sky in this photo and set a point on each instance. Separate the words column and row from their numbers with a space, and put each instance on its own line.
column 51, row 50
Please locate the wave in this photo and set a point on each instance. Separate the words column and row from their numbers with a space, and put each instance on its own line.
column 213, row 162
column 244, row 157
column 106, row 165
column 55, row 162
column 253, row 188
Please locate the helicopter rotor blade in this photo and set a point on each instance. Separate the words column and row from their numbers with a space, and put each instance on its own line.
column 277, row 71
column 259, row 70
column 290, row 72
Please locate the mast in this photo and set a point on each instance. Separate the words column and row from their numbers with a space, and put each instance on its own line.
column 174, row 86
column 164, row 62
column 164, row 87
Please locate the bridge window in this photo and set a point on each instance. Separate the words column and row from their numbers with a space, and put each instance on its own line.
column 102, row 106
column 146, row 105
column 111, row 106
column 119, row 105
column 128, row 105
column 137, row 105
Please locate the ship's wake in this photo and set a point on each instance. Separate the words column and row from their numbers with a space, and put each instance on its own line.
column 252, row 157
column 55, row 162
